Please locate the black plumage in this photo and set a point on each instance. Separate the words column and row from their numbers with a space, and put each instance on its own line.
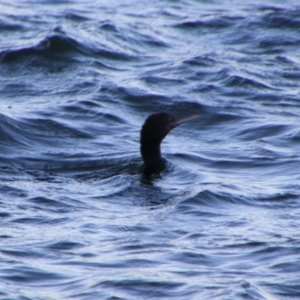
column 154, row 130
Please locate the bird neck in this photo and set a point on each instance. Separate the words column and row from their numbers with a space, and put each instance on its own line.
column 151, row 155
column 150, row 152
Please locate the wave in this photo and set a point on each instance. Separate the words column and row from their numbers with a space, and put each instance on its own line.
column 52, row 47
column 210, row 199
column 61, row 47
column 263, row 131
column 201, row 61
column 229, row 80
column 280, row 18
column 9, row 26
column 221, row 22
column 29, row 132
column 241, row 81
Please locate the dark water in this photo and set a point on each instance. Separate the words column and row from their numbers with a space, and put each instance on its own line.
column 77, row 80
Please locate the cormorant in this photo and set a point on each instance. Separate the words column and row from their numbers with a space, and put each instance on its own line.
column 154, row 130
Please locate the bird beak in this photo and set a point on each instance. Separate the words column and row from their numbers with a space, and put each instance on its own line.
column 183, row 120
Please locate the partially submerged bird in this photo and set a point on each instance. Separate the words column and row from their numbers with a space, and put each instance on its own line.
column 154, row 130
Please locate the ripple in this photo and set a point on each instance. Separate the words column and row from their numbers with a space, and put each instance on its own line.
column 207, row 198
column 263, row 131
column 32, row 133
column 153, row 288
column 221, row 22
column 40, row 220
column 50, row 205
column 28, row 275
column 201, row 61
column 78, row 220
column 64, row 245
column 10, row 26
column 281, row 18
column 239, row 81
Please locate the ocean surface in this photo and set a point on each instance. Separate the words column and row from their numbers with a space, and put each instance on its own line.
column 77, row 218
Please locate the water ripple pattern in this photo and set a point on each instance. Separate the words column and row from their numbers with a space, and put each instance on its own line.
column 78, row 220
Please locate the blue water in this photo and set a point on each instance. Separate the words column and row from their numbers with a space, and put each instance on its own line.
column 77, row 219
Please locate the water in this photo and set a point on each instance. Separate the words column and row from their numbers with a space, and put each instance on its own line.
column 77, row 81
